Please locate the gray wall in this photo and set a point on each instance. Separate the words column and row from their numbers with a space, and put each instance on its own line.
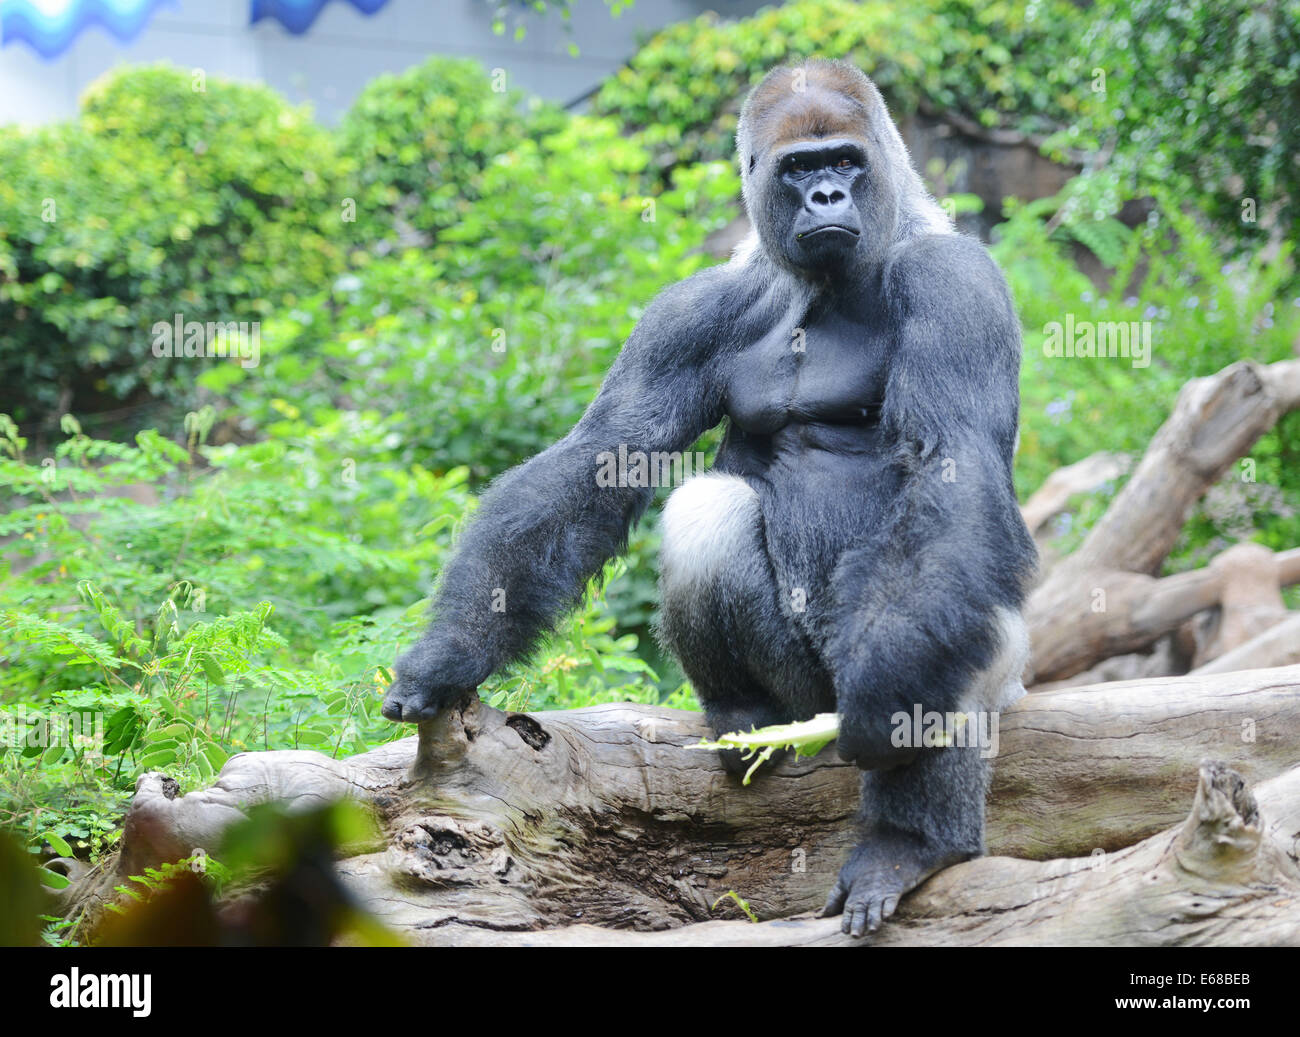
column 345, row 49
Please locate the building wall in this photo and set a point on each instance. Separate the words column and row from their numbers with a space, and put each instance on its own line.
column 345, row 49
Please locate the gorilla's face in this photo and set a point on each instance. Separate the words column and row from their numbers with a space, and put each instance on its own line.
column 816, row 195
column 824, row 208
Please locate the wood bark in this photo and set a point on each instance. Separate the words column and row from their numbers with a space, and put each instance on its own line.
column 1051, row 498
column 1104, row 600
column 1277, row 646
column 1105, row 613
column 517, row 827
column 1227, row 876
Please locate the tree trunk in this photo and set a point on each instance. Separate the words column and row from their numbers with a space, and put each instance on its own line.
column 500, row 824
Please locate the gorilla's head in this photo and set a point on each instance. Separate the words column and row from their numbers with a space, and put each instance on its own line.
column 827, row 181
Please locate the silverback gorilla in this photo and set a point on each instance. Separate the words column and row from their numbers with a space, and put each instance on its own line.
column 857, row 545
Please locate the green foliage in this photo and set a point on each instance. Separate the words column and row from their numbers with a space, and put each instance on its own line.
column 163, row 607
column 1205, row 312
column 162, row 199
column 516, row 310
column 421, row 141
column 1016, row 65
column 1200, row 98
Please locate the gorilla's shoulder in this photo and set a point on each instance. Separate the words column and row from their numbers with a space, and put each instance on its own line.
column 950, row 274
column 712, row 298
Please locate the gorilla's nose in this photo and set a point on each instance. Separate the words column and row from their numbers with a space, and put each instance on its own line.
column 829, row 203
column 827, row 196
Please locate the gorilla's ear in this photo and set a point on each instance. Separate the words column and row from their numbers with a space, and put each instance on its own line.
column 752, row 161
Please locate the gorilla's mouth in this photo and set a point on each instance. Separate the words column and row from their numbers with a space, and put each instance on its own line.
column 830, row 227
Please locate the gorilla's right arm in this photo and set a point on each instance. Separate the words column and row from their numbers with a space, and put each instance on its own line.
column 545, row 528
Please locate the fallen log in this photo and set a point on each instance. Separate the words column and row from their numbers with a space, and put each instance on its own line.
column 1277, row 646
column 1215, row 421
column 1227, row 877
column 498, row 823
column 1103, row 599
column 1105, row 613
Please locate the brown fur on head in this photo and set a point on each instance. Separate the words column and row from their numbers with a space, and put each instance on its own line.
column 806, row 102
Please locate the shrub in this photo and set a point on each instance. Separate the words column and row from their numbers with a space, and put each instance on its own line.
column 422, row 139
column 216, row 203
column 253, row 598
column 1202, row 99
column 1204, row 313
column 487, row 346
column 1004, row 64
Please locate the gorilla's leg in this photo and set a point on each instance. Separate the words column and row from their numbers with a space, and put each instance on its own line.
column 929, row 814
column 722, row 615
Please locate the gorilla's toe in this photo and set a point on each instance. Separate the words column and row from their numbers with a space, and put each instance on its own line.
column 878, row 872
column 864, row 914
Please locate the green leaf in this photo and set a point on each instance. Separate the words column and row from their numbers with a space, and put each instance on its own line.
column 212, row 670
column 53, row 879
column 57, row 843
column 157, row 760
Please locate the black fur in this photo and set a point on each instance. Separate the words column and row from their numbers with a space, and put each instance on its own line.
column 880, row 540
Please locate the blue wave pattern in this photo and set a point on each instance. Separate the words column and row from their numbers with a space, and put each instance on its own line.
column 297, row 15
column 50, row 26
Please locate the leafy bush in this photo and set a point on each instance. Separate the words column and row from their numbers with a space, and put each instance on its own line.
column 238, row 597
column 488, row 345
column 1204, row 312
column 1018, row 65
column 421, row 141
column 217, row 203
column 1201, row 99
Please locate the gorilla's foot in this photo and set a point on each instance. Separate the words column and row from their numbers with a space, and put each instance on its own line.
column 883, row 867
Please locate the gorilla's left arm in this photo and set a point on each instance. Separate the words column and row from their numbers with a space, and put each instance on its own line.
column 917, row 602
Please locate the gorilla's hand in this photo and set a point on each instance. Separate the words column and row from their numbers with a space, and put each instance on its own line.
column 877, row 873
column 869, row 745
column 434, row 674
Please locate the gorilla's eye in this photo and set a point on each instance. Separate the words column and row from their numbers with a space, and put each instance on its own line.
column 798, row 166
column 844, row 162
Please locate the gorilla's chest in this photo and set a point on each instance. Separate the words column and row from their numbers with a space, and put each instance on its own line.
column 831, row 372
